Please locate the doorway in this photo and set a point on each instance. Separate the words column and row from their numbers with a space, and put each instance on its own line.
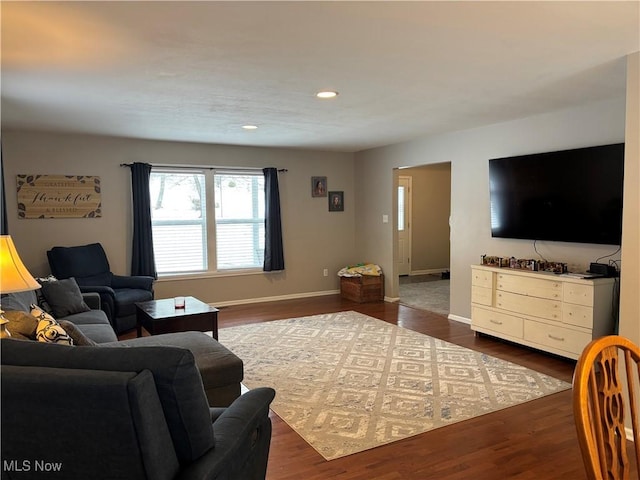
column 423, row 255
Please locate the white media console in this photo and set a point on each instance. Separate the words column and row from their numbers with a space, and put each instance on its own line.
column 559, row 314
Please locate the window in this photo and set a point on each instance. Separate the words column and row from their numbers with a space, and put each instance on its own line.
column 182, row 201
column 239, row 214
column 401, row 208
column 178, row 220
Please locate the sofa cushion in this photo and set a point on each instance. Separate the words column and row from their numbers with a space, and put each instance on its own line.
column 91, row 317
column 20, row 301
column 174, row 371
column 95, row 325
column 98, row 333
column 64, row 297
column 78, row 337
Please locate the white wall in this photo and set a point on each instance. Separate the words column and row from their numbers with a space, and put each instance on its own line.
column 630, row 277
column 469, row 151
column 314, row 238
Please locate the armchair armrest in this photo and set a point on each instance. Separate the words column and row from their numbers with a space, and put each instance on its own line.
column 242, row 435
column 107, row 298
column 142, row 282
column 97, row 289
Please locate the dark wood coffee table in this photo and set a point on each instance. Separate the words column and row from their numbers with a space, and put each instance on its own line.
column 161, row 316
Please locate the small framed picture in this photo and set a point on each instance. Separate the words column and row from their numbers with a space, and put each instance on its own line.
column 318, row 186
column 336, row 201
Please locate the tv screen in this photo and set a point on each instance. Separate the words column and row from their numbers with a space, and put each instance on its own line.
column 567, row 196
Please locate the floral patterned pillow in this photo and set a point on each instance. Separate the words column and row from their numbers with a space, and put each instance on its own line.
column 48, row 329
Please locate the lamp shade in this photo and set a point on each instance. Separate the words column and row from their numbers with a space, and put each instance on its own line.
column 14, row 277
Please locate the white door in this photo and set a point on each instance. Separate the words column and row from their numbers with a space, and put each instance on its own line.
column 404, row 225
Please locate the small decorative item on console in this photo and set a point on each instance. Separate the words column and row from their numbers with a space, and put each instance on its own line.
column 524, row 264
column 493, row 261
column 555, row 267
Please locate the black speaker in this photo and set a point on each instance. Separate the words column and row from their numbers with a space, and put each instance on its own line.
column 603, row 269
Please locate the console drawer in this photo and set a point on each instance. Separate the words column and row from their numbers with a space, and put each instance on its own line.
column 538, row 307
column 531, row 287
column 481, row 278
column 578, row 294
column 481, row 295
column 498, row 322
column 556, row 337
column 577, row 315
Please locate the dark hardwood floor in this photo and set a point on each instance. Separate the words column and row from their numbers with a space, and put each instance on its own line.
column 535, row 440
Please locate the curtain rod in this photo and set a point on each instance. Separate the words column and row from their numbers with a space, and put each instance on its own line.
column 202, row 167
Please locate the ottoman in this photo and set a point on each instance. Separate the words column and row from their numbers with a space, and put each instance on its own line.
column 220, row 369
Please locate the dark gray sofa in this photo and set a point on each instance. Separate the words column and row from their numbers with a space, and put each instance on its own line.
column 94, row 323
column 123, row 413
column 221, row 370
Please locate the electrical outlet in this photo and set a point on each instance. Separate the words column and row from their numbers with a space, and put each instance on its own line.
column 325, row 272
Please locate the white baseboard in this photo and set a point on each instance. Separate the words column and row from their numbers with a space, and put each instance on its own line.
column 460, row 319
column 245, row 301
column 430, row 271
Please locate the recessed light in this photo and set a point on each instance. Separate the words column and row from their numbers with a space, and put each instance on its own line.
column 327, row 94
column 250, row 127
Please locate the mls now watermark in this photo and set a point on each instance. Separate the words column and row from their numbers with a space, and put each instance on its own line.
column 31, row 466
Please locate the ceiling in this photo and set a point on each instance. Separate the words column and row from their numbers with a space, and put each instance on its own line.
column 198, row 71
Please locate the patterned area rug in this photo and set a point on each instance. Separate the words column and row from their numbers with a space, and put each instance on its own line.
column 432, row 296
column 347, row 382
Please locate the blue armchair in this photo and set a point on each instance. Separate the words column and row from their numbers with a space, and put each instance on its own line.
column 88, row 264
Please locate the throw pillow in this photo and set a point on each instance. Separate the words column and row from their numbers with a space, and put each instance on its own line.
column 64, row 297
column 48, row 329
column 21, row 323
column 76, row 334
column 41, row 300
column 19, row 336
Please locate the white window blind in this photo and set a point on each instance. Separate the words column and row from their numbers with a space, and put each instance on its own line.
column 239, row 215
column 183, row 238
column 178, row 220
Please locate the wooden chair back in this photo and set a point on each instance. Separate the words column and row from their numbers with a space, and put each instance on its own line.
column 601, row 403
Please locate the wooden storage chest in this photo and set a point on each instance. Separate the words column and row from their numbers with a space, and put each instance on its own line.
column 366, row 288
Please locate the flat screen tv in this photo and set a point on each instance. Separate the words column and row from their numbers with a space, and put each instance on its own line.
column 566, row 196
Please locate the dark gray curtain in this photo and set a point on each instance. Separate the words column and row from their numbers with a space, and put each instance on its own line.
column 273, row 252
column 4, row 226
column 142, row 259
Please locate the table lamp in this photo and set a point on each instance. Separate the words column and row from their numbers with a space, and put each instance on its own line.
column 14, row 277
